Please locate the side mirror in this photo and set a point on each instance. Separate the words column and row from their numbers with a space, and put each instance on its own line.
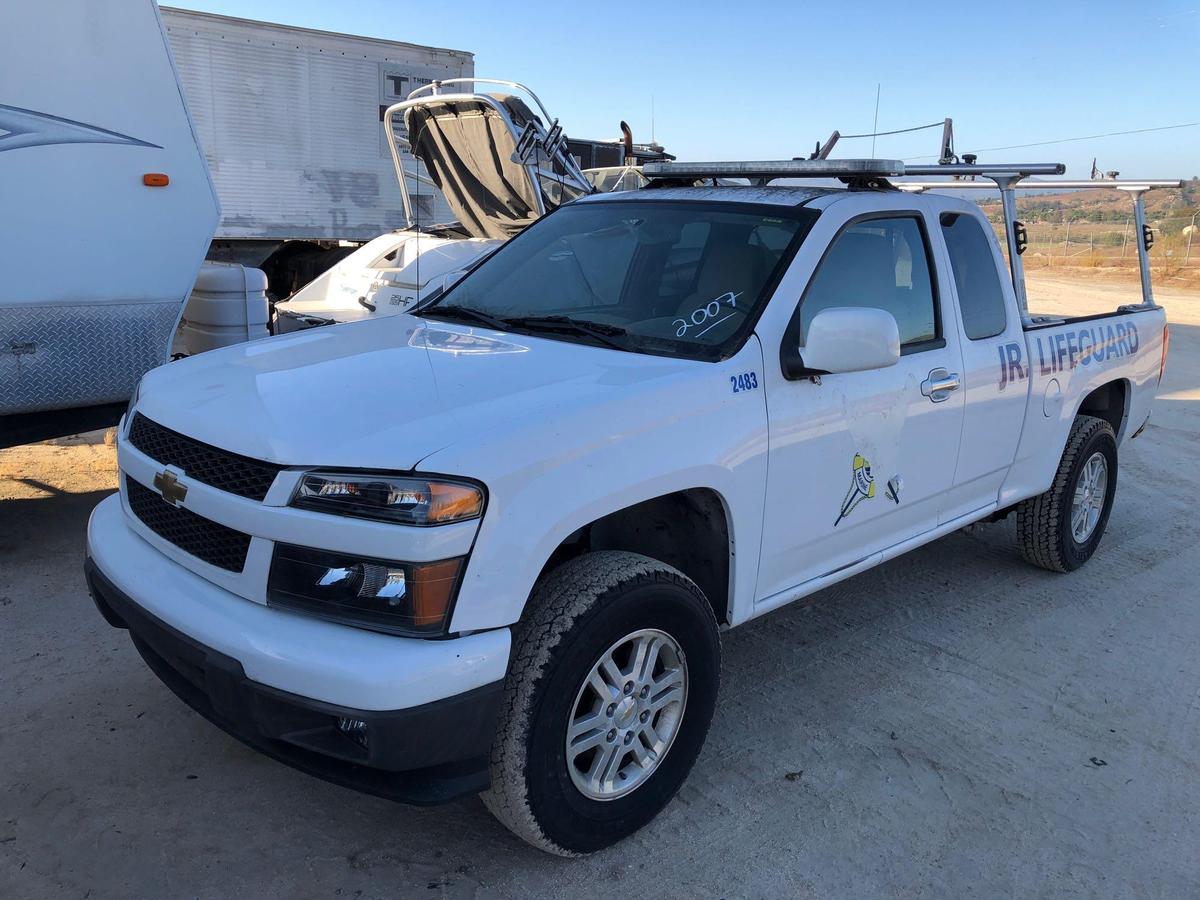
column 851, row 339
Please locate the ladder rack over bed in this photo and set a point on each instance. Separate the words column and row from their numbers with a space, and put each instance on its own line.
column 879, row 174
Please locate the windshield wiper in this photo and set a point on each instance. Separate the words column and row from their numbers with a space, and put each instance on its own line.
column 464, row 313
column 601, row 332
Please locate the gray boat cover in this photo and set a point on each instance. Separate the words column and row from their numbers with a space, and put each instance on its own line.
column 467, row 148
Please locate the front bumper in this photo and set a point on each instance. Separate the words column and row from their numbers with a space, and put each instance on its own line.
column 243, row 666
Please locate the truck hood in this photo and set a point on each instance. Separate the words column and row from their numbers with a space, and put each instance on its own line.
column 385, row 393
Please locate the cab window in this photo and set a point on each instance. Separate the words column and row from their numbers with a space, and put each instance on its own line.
column 880, row 263
column 980, row 296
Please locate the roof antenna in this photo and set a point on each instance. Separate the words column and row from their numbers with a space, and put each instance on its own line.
column 875, row 124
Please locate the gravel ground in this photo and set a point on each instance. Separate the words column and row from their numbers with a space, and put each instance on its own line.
column 953, row 723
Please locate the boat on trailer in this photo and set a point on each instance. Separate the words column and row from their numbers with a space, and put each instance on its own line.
column 500, row 161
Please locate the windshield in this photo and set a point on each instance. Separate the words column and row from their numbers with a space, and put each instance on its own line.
column 672, row 277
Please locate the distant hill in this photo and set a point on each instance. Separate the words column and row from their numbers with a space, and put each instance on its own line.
column 1100, row 205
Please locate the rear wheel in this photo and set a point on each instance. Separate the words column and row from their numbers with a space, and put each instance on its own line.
column 608, row 700
column 1060, row 529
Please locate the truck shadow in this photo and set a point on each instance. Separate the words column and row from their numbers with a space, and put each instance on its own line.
column 53, row 521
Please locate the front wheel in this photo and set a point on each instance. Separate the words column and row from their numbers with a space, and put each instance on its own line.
column 1060, row 529
column 609, row 696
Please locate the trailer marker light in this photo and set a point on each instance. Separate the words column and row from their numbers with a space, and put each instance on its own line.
column 155, row 179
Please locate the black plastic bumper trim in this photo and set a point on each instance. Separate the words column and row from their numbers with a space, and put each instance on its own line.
column 424, row 755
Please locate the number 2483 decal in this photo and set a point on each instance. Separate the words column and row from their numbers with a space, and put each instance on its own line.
column 747, row 381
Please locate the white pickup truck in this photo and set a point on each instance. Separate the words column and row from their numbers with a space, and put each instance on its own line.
column 490, row 546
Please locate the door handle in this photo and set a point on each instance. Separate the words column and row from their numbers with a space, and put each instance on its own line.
column 939, row 384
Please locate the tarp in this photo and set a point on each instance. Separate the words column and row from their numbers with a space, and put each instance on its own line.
column 467, row 148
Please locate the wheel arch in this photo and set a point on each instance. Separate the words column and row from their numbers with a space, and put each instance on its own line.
column 690, row 529
column 1110, row 402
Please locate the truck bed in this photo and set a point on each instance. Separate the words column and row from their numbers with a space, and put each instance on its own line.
column 1108, row 365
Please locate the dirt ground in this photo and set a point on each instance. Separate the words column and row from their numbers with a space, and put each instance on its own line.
column 952, row 723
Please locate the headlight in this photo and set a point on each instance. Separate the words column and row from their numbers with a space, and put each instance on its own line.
column 395, row 597
column 389, row 498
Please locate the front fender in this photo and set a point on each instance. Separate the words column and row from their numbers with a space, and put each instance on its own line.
column 548, row 479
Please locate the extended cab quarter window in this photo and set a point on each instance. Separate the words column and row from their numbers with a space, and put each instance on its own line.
column 878, row 263
column 980, row 296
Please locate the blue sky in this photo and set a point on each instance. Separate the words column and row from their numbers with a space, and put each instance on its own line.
column 755, row 80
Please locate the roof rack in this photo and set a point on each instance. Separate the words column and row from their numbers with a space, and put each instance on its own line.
column 1120, row 184
column 1004, row 177
column 875, row 173
column 764, row 171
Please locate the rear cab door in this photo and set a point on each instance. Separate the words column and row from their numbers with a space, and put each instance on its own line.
column 859, row 461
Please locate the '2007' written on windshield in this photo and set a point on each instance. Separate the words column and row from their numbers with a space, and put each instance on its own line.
column 703, row 315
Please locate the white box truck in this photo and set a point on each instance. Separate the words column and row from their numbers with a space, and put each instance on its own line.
column 291, row 122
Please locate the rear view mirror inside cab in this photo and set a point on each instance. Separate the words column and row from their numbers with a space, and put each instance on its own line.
column 851, row 339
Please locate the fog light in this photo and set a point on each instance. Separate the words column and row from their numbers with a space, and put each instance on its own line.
column 355, row 729
column 369, row 581
column 396, row 597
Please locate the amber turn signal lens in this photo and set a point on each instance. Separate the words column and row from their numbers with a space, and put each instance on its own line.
column 155, row 179
column 432, row 590
column 450, row 502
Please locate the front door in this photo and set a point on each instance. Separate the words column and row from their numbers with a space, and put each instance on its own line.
column 860, row 461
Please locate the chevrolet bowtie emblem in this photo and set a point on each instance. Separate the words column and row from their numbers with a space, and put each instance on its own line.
column 170, row 488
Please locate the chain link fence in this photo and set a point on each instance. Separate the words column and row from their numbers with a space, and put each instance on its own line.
column 1091, row 240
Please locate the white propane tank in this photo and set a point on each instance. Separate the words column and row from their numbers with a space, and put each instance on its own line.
column 228, row 305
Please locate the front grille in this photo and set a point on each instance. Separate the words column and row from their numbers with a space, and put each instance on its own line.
column 219, row 468
column 202, row 538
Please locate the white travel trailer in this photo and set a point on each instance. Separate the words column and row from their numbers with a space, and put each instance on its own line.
column 108, row 210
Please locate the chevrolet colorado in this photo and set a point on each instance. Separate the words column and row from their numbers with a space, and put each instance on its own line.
column 490, row 545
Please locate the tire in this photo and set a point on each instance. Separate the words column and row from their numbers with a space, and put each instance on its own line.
column 1045, row 530
column 577, row 614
